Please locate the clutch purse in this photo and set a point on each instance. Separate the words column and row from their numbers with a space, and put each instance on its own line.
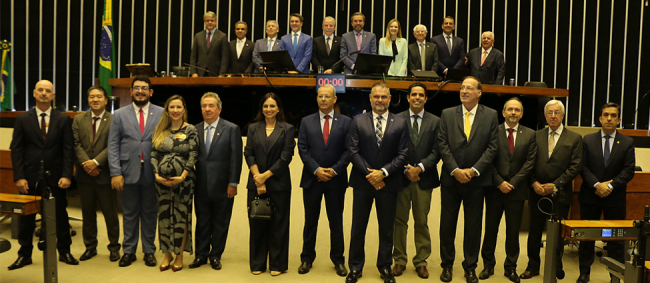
column 260, row 209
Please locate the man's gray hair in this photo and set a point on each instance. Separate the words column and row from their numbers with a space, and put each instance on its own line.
column 380, row 85
column 272, row 21
column 328, row 86
column 553, row 102
column 329, row 18
column 487, row 32
column 420, row 25
column 213, row 95
column 210, row 14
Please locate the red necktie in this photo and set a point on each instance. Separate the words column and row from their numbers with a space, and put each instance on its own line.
column 326, row 129
column 511, row 140
column 43, row 125
column 142, row 129
column 95, row 126
column 208, row 42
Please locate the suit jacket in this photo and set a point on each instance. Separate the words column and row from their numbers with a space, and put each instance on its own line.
column 261, row 45
column 87, row 148
column 349, row 45
column 563, row 165
column 222, row 165
column 319, row 56
column 243, row 64
column 398, row 66
column 516, row 168
column 270, row 153
column 302, row 55
column 425, row 150
column 392, row 155
column 446, row 60
column 457, row 152
column 619, row 169
column 431, row 57
column 315, row 153
column 126, row 143
column 215, row 59
column 28, row 148
column 493, row 69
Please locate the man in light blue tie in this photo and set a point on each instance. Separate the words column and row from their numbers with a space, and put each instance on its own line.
column 270, row 43
column 298, row 44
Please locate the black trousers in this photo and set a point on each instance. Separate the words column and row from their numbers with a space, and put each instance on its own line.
column 212, row 225
column 334, row 204
column 615, row 249
column 495, row 208
column 537, row 224
column 28, row 224
column 270, row 238
column 472, row 200
column 93, row 195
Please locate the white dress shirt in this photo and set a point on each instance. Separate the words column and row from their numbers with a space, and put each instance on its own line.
column 48, row 114
column 145, row 112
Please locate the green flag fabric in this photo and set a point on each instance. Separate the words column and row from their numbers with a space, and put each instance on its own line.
column 107, row 48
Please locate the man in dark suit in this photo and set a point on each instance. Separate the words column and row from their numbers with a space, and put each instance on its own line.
column 93, row 179
column 210, row 50
column 324, row 153
column 420, row 180
column 218, row 168
column 512, row 168
column 327, row 49
column 558, row 162
column 357, row 40
column 423, row 55
column 43, row 134
column 451, row 49
column 486, row 62
column 468, row 144
column 608, row 161
column 378, row 151
column 241, row 50
column 298, row 44
column 129, row 160
column 270, row 43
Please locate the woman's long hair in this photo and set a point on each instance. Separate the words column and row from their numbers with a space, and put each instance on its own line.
column 278, row 117
column 388, row 41
column 165, row 125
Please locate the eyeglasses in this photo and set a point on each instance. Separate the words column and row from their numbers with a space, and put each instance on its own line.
column 556, row 113
column 145, row 88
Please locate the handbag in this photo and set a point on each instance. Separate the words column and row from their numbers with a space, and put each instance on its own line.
column 261, row 209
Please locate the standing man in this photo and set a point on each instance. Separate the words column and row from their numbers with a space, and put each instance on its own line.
column 422, row 55
column 421, row 178
column 241, row 50
column 357, row 40
column 129, row 159
column 210, row 50
column 93, row 177
column 270, row 43
column 324, row 153
column 298, row 44
column 378, row 151
column 608, row 161
column 43, row 135
column 218, row 170
column 451, row 48
column 468, row 145
column 327, row 48
column 558, row 162
column 486, row 62
column 512, row 167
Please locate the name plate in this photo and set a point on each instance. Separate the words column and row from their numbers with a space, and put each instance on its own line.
column 337, row 80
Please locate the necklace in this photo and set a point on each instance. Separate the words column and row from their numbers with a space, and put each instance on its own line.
column 270, row 129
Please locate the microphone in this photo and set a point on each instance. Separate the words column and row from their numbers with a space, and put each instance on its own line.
column 346, row 57
column 197, row 67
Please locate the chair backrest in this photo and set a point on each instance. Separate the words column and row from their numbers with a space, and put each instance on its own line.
column 535, row 84
column 181, row 71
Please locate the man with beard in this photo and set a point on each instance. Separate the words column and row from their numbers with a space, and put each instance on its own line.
column 357, row 40
column 241, row 50
column 129, row 160
column 486, row 62
column 327, row 48
column 378, row 151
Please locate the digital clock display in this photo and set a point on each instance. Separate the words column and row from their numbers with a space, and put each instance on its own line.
column 337, row 80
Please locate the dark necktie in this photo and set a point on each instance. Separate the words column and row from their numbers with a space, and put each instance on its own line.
column 416, row 128
column 207, row 43
column 208, row 139
column 449, row 44
column 95, row 126
column 606, row 155
column 327, row 46
column 378, row 132
column 326, row 129
column 43, row 125
column 511, row 141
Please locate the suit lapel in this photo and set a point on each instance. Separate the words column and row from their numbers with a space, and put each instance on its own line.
column 477, row 120
column 201, row 136
column 316, row 122
column 216, row 135
column 504, row 133
column 389, row 125
column 131, row 116
column 35, row 121
column 461, row 120
column 559, row 142
column 212, row 41
column 273, row 138
column 615, row 147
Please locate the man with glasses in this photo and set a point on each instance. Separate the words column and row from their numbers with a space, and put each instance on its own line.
column 210, row 50
column 423, row 55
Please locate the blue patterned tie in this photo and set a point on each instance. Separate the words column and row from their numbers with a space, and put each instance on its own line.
column 208, row 139
column 606, row 155
column 378, row 132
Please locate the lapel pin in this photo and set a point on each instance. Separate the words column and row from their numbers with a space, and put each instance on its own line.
column 218, row 134
column 521, row 132
column 104, row 119
column 335, row 119
column 151, row 113
column 618, row 142
column 391, row 120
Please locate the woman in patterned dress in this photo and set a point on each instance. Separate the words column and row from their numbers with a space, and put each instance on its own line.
column 175, row 148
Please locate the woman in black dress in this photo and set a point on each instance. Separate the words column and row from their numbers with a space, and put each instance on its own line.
column 175, row 148
column 269, row 149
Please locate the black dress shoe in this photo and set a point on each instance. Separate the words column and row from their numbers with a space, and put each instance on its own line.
column 559, row 274
column 470, row 276
column 387, row 275
column 353, row 276
column 127, row 259
column 485, row 274
column 528, row 274
column 584, row 278
column 512, row 275
column 88, row 254
column 304, row 268
column 341, row 270
column 115, row 256
column 68, row 259
column 150, row 260
column 198, row 262
column 20, row 262
column 216, row 264
column 447, row 274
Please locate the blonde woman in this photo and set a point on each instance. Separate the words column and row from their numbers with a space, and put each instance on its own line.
column 396, row 46
column 175, row 149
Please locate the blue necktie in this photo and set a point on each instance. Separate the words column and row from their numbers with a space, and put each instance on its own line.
column 270, row 45
column 208, row 139
column 295, row 42
column 606, row 155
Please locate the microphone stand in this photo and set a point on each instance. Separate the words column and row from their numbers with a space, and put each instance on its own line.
column 47, row 242
column 197, row 67
column 346, row 57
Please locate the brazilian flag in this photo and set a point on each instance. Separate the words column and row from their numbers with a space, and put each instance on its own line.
column 7, row 89
column 107, row 48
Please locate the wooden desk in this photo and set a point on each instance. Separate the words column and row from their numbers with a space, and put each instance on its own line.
column 19, row 204
column 7, row 173
column 638, row 196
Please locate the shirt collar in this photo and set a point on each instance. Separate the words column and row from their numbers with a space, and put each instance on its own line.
column 375, row 115
column 508, row 127
column 322, row 115
column 411, row 113
column 421, row 42
column 145, row 109
column 100, row 115
column 602, row 135
column 298, row 33
column 243, row 40
column 271, row 38
column 214, row 124
column 47, row 112
column 473, row 111
column 211, row 31
column 488, row 50
column 558, row 131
